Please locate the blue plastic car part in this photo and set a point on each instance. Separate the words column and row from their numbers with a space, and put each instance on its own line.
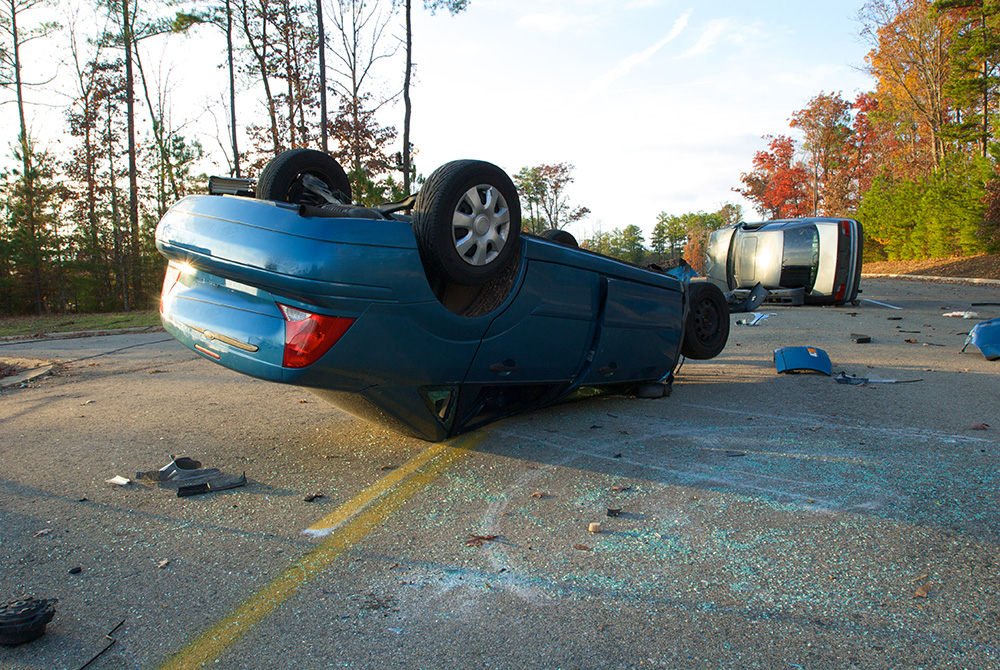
column 412, row 359
column 802, row 359
column 747, row 301
column 986, row 336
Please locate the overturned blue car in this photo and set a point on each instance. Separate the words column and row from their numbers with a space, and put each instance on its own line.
column 431, row 316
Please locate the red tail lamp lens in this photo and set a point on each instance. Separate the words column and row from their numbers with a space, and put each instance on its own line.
column 308, row 336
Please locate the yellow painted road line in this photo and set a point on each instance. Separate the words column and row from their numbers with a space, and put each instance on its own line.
column 330, row 522
column 352, row 523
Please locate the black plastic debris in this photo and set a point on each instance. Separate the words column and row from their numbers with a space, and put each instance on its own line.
column 24, row 620
column 614, row 512
column 746, row 301
column 180, row 468
column 211, row 487
column 857, row 338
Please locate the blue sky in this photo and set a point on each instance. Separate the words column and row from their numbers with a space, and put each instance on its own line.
column 660, row 104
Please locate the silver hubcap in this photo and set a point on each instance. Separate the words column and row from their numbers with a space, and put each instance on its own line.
column 480, row 225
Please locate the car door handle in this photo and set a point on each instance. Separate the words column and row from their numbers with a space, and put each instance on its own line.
column 505, row 368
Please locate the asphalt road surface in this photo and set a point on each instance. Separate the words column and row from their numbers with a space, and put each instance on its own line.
column 766, row 520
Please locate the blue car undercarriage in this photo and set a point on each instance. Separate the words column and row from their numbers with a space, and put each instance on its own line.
column 351, row 303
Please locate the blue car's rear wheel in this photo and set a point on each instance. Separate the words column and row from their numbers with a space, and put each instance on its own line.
column 707, row 327
column 304, row 177
column 467, row 220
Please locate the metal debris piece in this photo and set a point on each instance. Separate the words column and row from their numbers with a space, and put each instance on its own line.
column 164, row 563
column 581, row 547
column 111, row 643
column 43, row 532
column 313, row 496
column 881, row 304
column 180, row 468
column 477, row 540
column 25, row 619
column 210, row 487
column 594, row 527
column 853, row 380
column 923, row 590
column 979, row 426
column 118, row 480
column 963, row 315
column 754, row 320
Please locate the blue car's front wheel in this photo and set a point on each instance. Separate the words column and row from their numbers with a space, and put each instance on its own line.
column 707, row 327
column 467, row 220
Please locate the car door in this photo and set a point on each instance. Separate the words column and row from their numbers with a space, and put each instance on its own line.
column 640, row 331
column 544, row 336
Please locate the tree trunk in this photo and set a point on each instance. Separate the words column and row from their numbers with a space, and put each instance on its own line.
column 321, row 43
column 261, row 57
column 27, row 175
column 406, row 101
column 133, row 180
column 232, row 87
column 119, row 247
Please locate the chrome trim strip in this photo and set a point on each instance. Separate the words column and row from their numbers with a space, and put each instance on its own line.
column 212, row 336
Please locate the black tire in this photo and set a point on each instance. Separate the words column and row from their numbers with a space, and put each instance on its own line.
column 707, row 328
column 467, row 221
column 561, row 237
column 282, row 178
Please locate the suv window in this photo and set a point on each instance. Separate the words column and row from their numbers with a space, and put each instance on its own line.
column 800, row 258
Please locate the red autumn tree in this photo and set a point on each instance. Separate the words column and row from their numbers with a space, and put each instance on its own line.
column 778, row 187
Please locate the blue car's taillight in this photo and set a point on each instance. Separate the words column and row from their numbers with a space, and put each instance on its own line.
column 170, row 279
column 308, row 336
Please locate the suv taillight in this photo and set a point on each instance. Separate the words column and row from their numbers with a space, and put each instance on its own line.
column 308, row 336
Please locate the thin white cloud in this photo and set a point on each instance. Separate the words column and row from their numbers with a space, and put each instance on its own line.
column 630, row 62
column 557, row 22
column 710, row 37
